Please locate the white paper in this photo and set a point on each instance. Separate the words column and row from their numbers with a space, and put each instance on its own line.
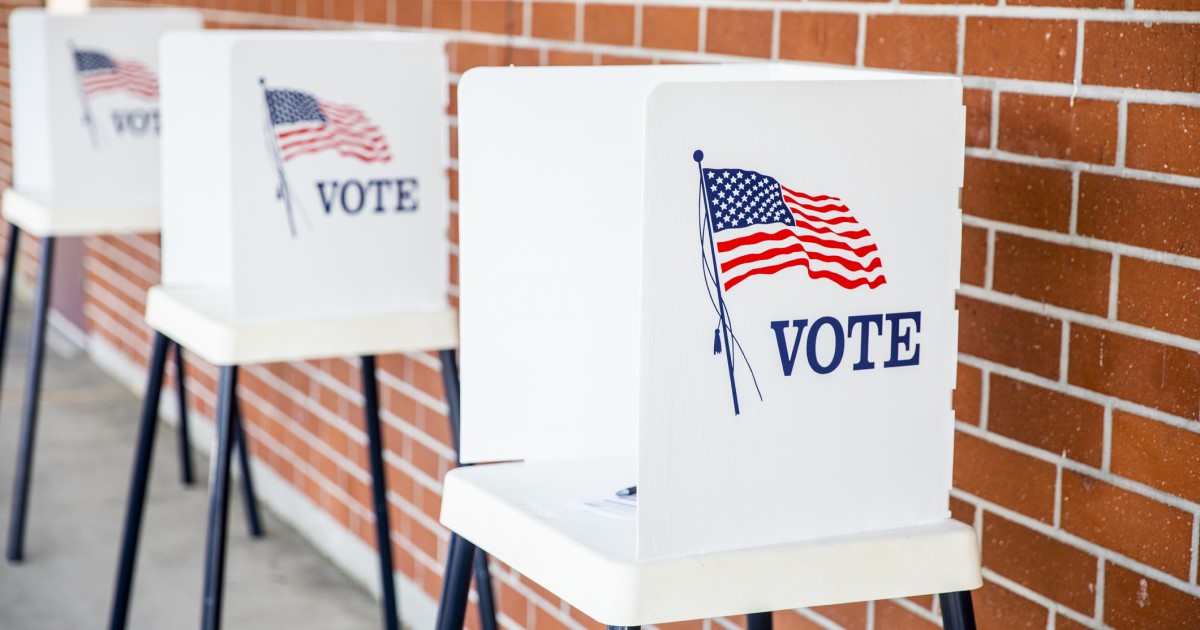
column 613, row 506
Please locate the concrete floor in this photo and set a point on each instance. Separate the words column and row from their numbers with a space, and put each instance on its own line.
column 82, row 466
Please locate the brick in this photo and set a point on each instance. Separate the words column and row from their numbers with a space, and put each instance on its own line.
column 1156, row 454
column 447, row 14
column 1063, row 622
column 1141, row 371
column 1015, row 193
column 822, row 37
column 375, row 11
column 553, row 20
column 570, row 58
column 905, row 42
column 1083, row 4
column 624, row 60
column 496, row 16
column 1145, row 214
column 1059, row 423
column 1004, row 477
column 998, row 607
column 1062, row 275
column 1142, row 55
column 962, row 511
column 608, row 24
column 1044, row 565
column 1054, row 127
column 1132, row 600
column 968, row 394
column 849, row 616
column 1127, row 523
column 1023, row 340
column 1166, row 5
column 1159, row 296
column 1020, row 48
column 975, row 2
column 409, row 13
column 891, row 615
column 745, row 33
column 973, row 265
column 979, row 117
column 791, row 620
column 1163, row 138
column 671, row 28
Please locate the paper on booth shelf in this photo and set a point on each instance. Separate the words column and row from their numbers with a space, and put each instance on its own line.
column 612, row 506
column 798, row 324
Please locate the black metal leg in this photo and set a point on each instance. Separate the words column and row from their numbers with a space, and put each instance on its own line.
column 218, row 502
column 483, row 576
column 759, row 621
column 957, row 611
column 456, row 584
column 249, row 498
column 10, row 268
column 33, row 388
column 185, row 440
column 483, row 588
column 143, row 455
column 383, row 527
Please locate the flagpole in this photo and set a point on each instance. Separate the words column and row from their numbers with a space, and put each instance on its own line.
column 284, row 191
column 699, row 157
column 83, row 99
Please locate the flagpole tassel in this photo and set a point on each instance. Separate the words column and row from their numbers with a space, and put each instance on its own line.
column 716, row 341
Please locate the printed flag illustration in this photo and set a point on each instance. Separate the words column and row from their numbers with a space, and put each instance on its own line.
column 305, row 124
column 97, row 72
column 761, row 227
column 752, row 225
column 298, row 123
column 100, row 72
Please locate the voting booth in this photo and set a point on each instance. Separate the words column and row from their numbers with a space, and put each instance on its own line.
column 309, row 179
column 739, row 281
column 85, row 138
column 304, row 217
column 86, row 123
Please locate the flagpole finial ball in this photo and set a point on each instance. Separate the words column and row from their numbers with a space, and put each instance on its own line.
column 262, row 80
column 698, row 155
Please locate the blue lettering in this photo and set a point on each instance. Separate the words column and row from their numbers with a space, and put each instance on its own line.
column 788, row 359
column 839, row 345
column 904, row 339
column 327, row 201
column 864, row 361
column 362, row 196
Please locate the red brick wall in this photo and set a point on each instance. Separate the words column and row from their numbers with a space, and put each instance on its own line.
column 1078, row 448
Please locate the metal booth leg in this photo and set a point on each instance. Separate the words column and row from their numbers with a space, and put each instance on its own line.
column 957, row 611
column 10, row 268
column 383, row 539
column 483, row 577
column 218, row 501
column 134, row 509
column 456, row 584
column 33, row 388
column 185, row 440
column 249, row 498
column 759, row 621
column 623, row 627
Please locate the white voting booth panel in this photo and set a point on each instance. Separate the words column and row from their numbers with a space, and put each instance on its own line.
column 304, row 174
column 85, row 92
column 743, row 275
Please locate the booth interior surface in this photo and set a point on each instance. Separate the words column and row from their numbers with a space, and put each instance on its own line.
column 298, row 188
column 806, row 393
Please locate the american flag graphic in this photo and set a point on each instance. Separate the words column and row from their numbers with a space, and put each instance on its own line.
column 305, row 124
column 99, row 72
column 760, row 227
